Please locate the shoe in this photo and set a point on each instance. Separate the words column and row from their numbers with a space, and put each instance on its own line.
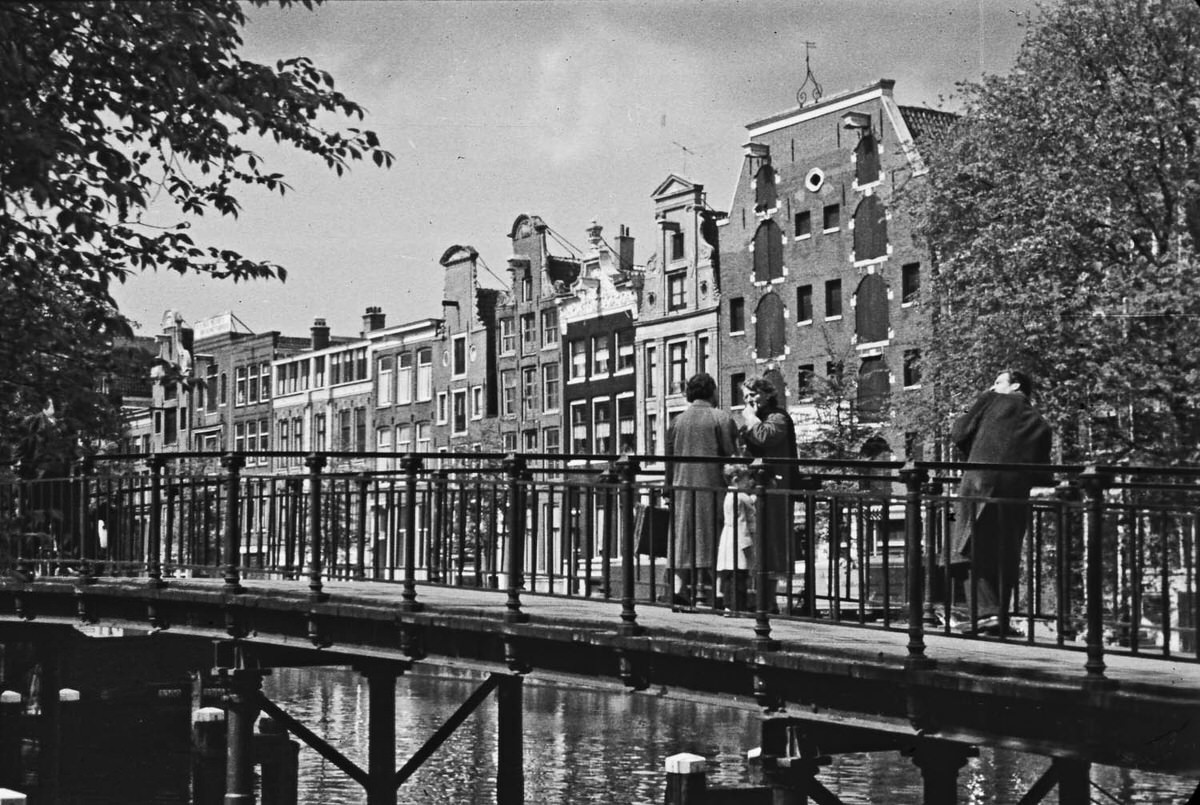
column 682, row 603
column 990, row 627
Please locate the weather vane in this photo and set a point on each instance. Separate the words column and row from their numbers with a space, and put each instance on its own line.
column 817, row 92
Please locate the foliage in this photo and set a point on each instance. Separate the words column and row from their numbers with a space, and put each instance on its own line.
column 1062, row 214
column 108, row 108
column 842, row 429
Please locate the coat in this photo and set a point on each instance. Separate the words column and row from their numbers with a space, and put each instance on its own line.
column 775, row 437
column 698, row 489
column 992, row 509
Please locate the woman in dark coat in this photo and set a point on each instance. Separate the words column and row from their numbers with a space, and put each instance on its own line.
column 1002, row 427
column 768, row 432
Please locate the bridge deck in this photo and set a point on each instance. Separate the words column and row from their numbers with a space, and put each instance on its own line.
column 984, row 691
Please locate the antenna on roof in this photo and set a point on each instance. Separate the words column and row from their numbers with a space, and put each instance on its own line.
column 817, row 92
column 686, row 151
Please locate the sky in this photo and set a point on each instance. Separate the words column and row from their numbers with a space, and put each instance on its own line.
column 570, row 110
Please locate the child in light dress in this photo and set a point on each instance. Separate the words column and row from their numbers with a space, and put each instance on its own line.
column 735, row 548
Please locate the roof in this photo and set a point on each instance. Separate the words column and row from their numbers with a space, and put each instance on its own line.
column 926, row 125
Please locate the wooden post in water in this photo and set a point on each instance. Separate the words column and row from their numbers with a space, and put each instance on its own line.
column 10, row 797
column 381, row 735
column 687, row 781
column 240, row 714
column 1074, row 783
column 939, row 764
column 510, row 759
column 208, row 756
column 279, row 761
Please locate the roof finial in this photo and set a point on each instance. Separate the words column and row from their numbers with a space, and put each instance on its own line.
column 817, row 92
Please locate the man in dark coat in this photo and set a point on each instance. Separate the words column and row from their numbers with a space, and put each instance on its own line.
column 1002, row 427
column 698, row 488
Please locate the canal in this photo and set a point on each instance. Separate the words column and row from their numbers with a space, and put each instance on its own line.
column 584, row 743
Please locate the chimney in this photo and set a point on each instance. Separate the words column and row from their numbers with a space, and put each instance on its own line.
column 320, row 334
column 373, row 319
column 625, row 249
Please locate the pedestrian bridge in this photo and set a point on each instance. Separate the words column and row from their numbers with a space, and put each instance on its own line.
column 531, row 564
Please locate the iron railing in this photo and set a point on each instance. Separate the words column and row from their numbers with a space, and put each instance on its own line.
column 1107, row 562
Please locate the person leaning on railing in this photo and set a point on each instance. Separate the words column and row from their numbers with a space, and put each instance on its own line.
column 1002, row 427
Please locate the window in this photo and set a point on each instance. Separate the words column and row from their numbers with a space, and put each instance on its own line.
column 345, row 429
column 912, row 367
column 602, row 426
column 459, row 356
column 304, row 374
column 600, row 356
column 737, row 315
column 477, row 401
column 676, row 290
column 251, row 440
column 579, row 428
column 424, row 440
column 676, row 367
column 509, row 440
column 508, row 392
column 550, row 387
column 910, row 283
column 284, row 440
column 832, row 217
column 239, row 386
column 335, row 368
column 318, row 371
column 183, row 418
column 833, row 371
column 404, row 378
column 550, row 443
column 224, row 389
column 625, row 354
column 804, row 303
column 770, row 330
column 529, row 333
column 459, row 424
column 805, row 381
column 384, row 377
column 652, row 434
column 252, row 384
column 549, row 327
column 804, row 224
column 833, row 298
column 213, row 390
column 578, row 350
column 282, row 378
column 443, row 408
column 526, row 287
column 677, row 244
column 702, row 353
column 239, row 438
column 383, row 444
column 264, row 382
column 870, row 230
column 425, row 374
column 736, row 394
column 529, row 441
column 319, row 433
column 264, row 438
column 529, row 392
column 297, row 436
column 627, row 424
column 170, row 433
column 360, row 364
column 765, row 197
column 768, row 252
column 866, row 160
column 404, row 438
column 651, row 370
column 871, row 310
column 508, row 340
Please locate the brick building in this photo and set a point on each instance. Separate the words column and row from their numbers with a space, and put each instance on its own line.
column 820, row 276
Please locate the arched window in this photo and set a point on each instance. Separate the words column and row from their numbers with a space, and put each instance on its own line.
column 871, row 310
column 870, row 230
column 764, row 189
column 769, row 329
column 873, row 388
column 866, row 160
column 768, row 252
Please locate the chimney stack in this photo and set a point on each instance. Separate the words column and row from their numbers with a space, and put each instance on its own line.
column 320, row 334
column 373, row 319
column 625, row 249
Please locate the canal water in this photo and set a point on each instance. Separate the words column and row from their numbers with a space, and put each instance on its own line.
column 584, row 743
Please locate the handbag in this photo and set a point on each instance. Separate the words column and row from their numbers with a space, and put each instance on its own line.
column 652, row 525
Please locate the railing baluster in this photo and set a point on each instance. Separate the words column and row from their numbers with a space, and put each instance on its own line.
column 411, row 464
column 914, row 478
column 315, row 463
column 233, row 463
column 360, row 569
column 84, row 470
column 1094, row 484
column 514, row 468
column 154, row 553
column 762, row 622
column 627, row 469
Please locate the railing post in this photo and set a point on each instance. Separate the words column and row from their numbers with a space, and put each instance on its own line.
column 315, row 463
column 84, row 470
column 360, row 572
column 627, row 469
column 411, row 464
column 1065, row 493
column 914, row 477
column 931, row 492
column 762, row 622
column 514, row 469
column 440, row 478
column 295, row 487
column 154, row 558
column 1094, row 483
column 232, row 548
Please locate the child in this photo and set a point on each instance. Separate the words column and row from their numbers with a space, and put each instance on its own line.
column 735, row 549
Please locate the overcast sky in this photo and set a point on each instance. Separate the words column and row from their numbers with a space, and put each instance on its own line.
column 565, row 109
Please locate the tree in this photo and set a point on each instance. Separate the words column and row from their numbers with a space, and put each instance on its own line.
column 106, row 108
column 1063, row 214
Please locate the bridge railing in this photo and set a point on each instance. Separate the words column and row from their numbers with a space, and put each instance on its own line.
column 1098, row 560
